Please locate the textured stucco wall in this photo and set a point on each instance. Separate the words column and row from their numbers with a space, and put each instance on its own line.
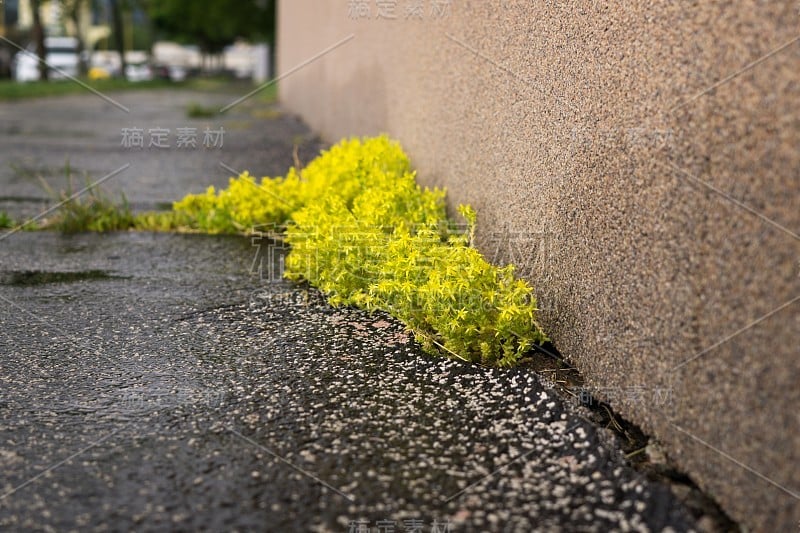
column 598, row 142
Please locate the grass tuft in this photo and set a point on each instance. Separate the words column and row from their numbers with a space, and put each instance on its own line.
column 195, row 110
column 5, row 221
column 92, row 211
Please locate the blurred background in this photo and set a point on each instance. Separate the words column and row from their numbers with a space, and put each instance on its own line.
column 136, row 40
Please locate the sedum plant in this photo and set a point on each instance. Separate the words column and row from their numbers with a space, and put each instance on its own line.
column 366, row 234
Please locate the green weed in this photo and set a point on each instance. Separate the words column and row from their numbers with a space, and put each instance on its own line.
column 5, row 221
column 195, row 110
column 89, row 210
column 92, row 211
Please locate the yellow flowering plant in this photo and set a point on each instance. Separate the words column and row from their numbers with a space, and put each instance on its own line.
column 366, row 234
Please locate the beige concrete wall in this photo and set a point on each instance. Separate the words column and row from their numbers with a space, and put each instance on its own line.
column 641, row 160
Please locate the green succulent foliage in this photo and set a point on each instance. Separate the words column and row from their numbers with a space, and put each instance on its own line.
column 366, row 234
column 455, row 300
column 238, row 208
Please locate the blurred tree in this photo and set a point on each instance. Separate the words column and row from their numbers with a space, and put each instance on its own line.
column 38, row 38
column 119, row 33
column 213, row 24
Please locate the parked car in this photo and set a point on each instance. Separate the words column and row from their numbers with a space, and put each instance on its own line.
column 61, row 53
column 138, row 72
column 170, row 72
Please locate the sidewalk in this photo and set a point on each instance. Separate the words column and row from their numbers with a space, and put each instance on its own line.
column 157, row 382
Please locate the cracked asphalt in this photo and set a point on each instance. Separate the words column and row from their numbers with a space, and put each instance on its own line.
column 157, row 382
